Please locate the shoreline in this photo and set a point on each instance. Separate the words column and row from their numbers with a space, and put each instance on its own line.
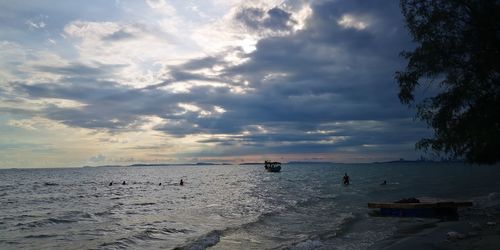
column 477, row 228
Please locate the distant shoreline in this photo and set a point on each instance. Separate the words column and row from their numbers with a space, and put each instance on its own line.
column 244, row 164
column 260, row 163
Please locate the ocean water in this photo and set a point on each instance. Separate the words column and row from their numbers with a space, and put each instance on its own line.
column 221, row 207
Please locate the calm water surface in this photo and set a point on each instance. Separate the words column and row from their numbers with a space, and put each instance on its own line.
column 222, row 207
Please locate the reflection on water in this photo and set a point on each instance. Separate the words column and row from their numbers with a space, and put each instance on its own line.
column 226, row 207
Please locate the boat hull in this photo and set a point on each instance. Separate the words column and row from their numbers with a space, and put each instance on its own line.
column 273, row 169
column 272, row 166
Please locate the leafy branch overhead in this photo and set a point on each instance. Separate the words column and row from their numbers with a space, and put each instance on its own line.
column 457, row 47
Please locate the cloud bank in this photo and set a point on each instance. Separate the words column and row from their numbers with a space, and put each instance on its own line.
column 317, row 81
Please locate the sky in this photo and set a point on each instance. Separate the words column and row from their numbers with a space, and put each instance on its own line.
column 121, row 82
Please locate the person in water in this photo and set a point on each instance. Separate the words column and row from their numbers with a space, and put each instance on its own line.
column 181, row 183
column 346, row 179
column 124, row 183
column 111, row 183
column 383, row 183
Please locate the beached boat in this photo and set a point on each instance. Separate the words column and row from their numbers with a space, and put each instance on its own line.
column 272, row 166
column 422, row 207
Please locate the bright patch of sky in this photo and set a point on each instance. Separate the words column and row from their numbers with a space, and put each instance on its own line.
column 121, row 82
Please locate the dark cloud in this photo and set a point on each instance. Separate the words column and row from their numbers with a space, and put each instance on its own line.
column 201, row 63
column 278, row 19
column 322, row 89
column 274, row 19
column 119, row 35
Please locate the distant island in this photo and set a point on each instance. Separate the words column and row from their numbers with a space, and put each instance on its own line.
column 421, row 160
column 176, row 164
column 311, row 162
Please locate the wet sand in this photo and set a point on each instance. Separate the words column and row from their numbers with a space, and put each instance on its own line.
column 477, row 228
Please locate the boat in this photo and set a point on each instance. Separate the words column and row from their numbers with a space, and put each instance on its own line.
column 272, row 166
column 422, row 207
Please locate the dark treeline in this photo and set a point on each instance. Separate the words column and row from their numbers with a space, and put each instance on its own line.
column 457, row 48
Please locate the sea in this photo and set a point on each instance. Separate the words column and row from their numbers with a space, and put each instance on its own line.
column 305, row 206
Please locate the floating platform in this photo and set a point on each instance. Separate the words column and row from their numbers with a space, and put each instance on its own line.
column 425, row 207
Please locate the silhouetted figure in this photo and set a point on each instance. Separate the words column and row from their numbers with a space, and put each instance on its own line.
column 346, row 179
column 383, row 183
column 111, row 184
column 124, row 183
column 181, row 183
column 159, row 184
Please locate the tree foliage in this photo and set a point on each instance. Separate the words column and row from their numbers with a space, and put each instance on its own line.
column 457, row 47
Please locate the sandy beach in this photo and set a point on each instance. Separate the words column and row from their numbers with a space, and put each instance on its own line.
column 477, row 228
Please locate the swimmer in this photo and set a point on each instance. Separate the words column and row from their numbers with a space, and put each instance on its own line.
column 181, row 183
column 346, row 179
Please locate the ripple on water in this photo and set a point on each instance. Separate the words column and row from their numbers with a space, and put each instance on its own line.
column 104, row 213
column 43, row 222
column 203, row 242
column 123, row 243
column 144, row 236
column 68, row 217
column 144, row 204
column 40, row 236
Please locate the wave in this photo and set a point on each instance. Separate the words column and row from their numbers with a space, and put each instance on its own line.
column 7, row 187
column 212, row 238
column 40, row 236
column 104, row 213
column 144, row 204
column 346, row 220
column 44, row 222
column 123, row 243
column 318, row 240
column 208, row 240
column 174, row 231
column 146, row 235
column 69, row 217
